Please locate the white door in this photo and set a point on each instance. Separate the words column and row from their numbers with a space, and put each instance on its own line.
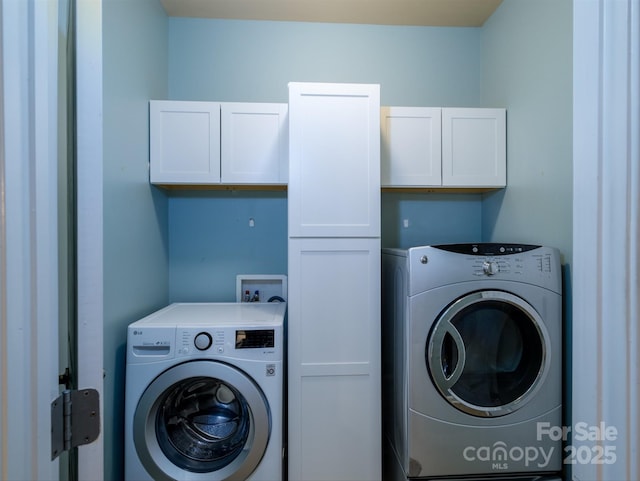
column 184, row 142
column 334, row 160
column 410, row 146
column 89, row 219
column 29, row 231
column 334, row 359
column 254, row 146
column 474, row 147
column 28, row 239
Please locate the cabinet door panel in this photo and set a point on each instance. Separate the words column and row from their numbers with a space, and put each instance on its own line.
column 410, row 147
column 334, row 177
column 184, row 142
column 331, row 407
column 254, row 142
column 474, row 147
column 334, row 347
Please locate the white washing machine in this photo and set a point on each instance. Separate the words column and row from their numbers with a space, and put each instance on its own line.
column 204, row 393
column 472, row 362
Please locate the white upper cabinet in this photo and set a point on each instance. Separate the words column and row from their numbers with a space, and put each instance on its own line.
column 184, row 142
column 443, row 147
column 411, row 146
column 474, row 147
column 254, row 143
column 209, row 143
column 334, row 164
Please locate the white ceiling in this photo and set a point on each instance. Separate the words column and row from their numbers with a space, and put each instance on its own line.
column 450, row 13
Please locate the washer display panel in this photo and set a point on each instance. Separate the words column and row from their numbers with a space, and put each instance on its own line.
column 488, row 353
column 202, row 420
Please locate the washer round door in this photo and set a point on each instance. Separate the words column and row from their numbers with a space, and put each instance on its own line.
column 488, row 353
column 201, row 420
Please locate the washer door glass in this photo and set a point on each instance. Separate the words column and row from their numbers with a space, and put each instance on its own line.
column 202, row 424
column 487, row 353
column 204, row 418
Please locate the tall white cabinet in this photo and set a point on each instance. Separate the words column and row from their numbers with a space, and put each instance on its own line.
column 334, row 380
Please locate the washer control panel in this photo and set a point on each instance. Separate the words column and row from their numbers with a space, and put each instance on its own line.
column 487, row 248
column 232, row 330
column 241, row 342
column 515, row 265
column 432, row 266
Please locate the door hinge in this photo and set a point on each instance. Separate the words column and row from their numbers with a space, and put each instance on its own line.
column 65, row 378
column 75, row 420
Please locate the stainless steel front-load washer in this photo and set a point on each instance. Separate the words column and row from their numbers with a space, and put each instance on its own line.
column 472, row 361
column 204, row 393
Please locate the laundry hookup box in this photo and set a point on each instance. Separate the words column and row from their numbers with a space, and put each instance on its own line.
column 261, row 288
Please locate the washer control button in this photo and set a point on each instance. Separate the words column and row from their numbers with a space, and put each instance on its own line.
column 203, row 341
column 490, row 268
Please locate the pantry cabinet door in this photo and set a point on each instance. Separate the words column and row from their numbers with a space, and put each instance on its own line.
column 334, row 359
column 334, row 165
column 184, row 142
column 254, row 143
column 474, row 147
column 410, row 147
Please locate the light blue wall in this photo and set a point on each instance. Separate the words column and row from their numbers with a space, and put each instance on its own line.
column 136, row 272
column 527, row 62
column 211, row 241
column 527, row 67
column 226, row 60
column 254, row 61
column 432, row 219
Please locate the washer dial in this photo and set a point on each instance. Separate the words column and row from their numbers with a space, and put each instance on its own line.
column 202, row 341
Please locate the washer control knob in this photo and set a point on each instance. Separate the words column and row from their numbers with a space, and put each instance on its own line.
column 203, row 341
column 424, row 259
column 490, row 268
